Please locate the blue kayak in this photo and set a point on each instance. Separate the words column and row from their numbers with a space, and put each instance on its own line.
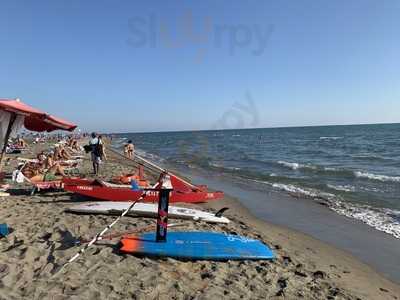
column 196, row 245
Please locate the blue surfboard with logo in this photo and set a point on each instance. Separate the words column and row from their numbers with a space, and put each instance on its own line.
column 196, row 245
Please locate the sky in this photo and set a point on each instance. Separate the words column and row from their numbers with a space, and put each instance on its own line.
column 133, row 66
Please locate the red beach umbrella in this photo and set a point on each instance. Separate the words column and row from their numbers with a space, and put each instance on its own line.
column 14, row 114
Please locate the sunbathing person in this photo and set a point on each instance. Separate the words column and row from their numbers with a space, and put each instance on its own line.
column 48, row 161
column 36, row 173
column 75, row 146
column 61, row 153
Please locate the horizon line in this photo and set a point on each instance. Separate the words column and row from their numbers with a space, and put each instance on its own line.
column 253, row 128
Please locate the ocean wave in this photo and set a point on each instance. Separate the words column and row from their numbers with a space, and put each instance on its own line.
column 150, row 156
column 342, row 188
column 371, row 189
column 344, row 173
column 330, row 137
column 233, row 168
column 371, row 176
column 296, row 166
column 215, row 165
column 219, row 166
column 290, row 165
column 301, row 191
column 383, row 219
column 372, row 157
column 331, row 169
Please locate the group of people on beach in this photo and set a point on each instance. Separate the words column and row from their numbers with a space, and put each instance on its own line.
column 51, row 165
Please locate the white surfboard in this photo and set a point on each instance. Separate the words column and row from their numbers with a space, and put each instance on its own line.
column 146, row 210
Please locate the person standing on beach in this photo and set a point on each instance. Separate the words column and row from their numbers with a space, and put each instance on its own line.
column 103, row 149
column 96, row 145
column 126, row 150
column 130, row 148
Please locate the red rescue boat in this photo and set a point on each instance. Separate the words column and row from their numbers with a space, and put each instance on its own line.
column 182, row 191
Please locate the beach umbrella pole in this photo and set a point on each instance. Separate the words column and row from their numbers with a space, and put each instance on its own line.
column 13, row 117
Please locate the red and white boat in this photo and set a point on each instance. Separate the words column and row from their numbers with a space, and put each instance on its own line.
column 113, row 192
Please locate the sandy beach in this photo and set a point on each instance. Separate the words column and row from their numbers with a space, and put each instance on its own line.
column 43, row 238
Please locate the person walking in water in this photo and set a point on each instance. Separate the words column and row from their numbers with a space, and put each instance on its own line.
column 96, row 145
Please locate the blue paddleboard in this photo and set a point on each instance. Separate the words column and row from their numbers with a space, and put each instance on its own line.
column 197, row 246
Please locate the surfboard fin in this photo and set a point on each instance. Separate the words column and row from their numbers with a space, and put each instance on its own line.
column 221, row 212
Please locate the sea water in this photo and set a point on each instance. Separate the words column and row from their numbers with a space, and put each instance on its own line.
column 354, row 170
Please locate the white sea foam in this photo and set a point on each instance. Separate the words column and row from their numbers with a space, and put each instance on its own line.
column 233, row 168
column 330, row 169
column 371, row 189
column 371, row 176
column 296, row 166
column 150, row 156
column 330, row 137
column 301, row 191
column 342, row 188
column 290, row 165
column 215, row 165
column 380, row 219
column 385, row 220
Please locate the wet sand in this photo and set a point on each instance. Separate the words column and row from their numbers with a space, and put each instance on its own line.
column 376, row 248
column 43, row 238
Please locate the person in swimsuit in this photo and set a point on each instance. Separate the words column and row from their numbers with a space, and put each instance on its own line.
column 126, row 150
column 130, row 148
column 36, row 173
